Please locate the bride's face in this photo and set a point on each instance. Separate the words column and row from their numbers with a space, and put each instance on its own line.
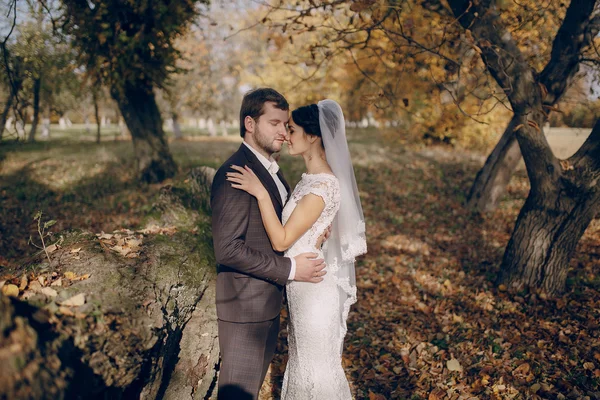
column 298, row 142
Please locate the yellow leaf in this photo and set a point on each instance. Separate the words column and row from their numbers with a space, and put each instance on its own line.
column 10, row 290
column 70, row 275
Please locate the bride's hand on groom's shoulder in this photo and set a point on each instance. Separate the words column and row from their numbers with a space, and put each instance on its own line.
column 309, row 268
column 245, row 179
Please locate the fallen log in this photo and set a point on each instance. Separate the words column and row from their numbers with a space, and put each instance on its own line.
column 121, row 315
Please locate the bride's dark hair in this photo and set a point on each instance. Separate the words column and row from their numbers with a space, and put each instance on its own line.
column 308, row 118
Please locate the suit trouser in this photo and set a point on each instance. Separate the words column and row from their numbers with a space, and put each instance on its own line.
column 246, row 352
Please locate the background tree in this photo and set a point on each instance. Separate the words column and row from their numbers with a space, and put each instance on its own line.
column 129, row 47
column 416, row 60
column 500, row 35
column 12, row 85
column 564, row 195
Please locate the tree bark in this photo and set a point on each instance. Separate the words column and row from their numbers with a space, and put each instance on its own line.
column 148, row 327
column 37, row 86
column 97, row 115
column 176, row 127
column 142, row 116
column 550, row 225
column 5, row 112
column 575, row 34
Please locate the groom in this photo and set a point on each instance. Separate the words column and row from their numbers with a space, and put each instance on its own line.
column 251, row 275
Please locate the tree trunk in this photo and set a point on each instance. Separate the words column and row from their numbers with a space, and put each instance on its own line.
column 176, row 127
column 574, row 35
column 37, row 86
column 552, row 221
column 138, row 107
column 491, row 181
column 148, row 326
column 545, row 237
column 565, row 194
column 5, row 112
column 46, row 123
column 97, row 115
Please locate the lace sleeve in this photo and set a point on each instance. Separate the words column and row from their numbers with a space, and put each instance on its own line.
column 326, row 187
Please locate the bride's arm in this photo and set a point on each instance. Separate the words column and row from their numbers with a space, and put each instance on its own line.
column 303, row 217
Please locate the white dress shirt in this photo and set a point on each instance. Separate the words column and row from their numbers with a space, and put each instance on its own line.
column 273, row 168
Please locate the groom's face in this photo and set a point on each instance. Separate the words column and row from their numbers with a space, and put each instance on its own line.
column 270, row 129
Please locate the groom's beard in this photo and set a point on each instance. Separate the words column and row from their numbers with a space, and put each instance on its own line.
column 264, row 143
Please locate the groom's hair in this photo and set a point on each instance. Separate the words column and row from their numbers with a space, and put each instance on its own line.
column 253, row 104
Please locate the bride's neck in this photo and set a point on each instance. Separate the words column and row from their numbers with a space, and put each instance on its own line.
column 316, row 162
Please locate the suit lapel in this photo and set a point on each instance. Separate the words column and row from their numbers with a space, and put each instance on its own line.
column 264, row 176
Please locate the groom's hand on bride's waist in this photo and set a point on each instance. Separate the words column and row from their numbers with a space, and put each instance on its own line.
column 309, row 268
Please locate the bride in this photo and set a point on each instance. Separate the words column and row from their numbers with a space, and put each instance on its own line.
column 326, row 195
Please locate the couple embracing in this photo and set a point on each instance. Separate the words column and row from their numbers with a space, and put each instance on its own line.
column 268, row 239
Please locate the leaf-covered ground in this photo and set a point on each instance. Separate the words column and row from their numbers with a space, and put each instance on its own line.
column 428, row 324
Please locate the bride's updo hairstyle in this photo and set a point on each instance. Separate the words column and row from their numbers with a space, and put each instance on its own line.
column 308, row 118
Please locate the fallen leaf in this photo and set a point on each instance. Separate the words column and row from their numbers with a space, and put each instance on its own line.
column 42, row 280
column 437, row 394
column 10, row 290
column 24, row 283
column 66, row 311
column 49, row 292
column 589, row 366
column 522, row 369
column 70, row 275
column 454, row 365
column 77, row 250
column 52, row 248
column 35, row 286
column 57, row 282
column 75, row 301
column 375, row 396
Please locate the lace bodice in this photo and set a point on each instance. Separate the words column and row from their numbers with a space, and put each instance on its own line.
column 325, row 186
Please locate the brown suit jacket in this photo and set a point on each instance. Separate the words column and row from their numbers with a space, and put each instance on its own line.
column 251, row 275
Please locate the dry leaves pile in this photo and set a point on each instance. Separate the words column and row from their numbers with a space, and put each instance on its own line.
column 29, row 285
column 127, row 243
column 429, row 322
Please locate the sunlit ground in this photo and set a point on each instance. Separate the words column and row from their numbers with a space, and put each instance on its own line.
column 428, row 318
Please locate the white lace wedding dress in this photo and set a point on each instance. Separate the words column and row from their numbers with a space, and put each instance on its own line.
column 315, row 335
